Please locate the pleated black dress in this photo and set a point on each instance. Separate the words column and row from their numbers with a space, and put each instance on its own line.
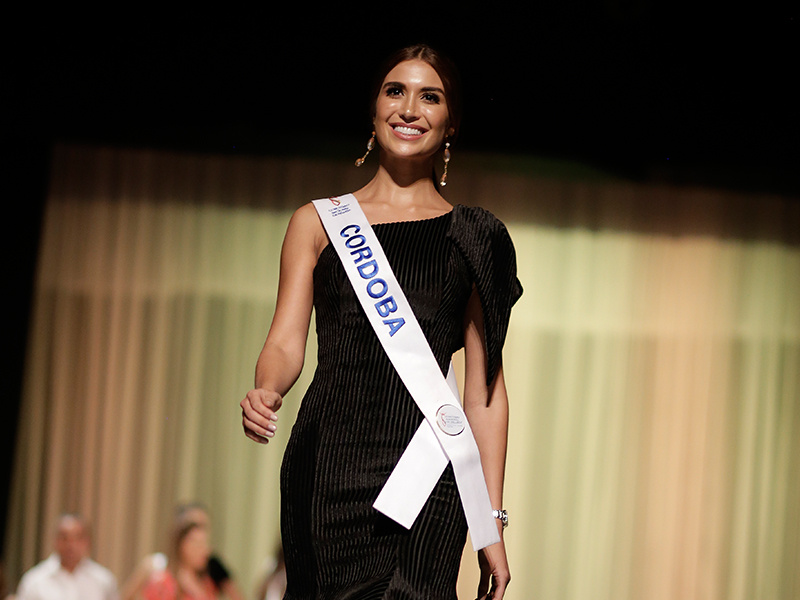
column 357, row 417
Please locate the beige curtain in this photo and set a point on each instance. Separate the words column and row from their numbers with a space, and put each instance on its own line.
column 653, row 365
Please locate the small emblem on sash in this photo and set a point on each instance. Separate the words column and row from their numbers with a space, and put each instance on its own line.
column 450, row 419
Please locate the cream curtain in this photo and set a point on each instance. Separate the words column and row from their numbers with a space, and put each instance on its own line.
column 653, row 365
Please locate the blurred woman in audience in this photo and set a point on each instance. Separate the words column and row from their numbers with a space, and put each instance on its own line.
column 185, row 576
column 153, row 566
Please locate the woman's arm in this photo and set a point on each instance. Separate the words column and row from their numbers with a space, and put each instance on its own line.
column 487, row 411
column 281, row 359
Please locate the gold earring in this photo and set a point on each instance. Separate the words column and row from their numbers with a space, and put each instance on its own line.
column 370, row 146
column 443, row 180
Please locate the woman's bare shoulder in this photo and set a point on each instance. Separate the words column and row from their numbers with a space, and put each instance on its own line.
column 304, row 221
column 306, row 215
column 305, row 230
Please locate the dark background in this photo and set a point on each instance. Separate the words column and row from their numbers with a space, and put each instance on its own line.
column 683, row 95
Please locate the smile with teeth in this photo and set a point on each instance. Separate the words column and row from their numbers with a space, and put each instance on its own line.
column 406, row 130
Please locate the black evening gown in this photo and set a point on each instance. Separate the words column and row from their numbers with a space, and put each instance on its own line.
column 357, row 417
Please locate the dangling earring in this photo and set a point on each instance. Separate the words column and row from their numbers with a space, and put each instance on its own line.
column 370, row 146
column 443, row 180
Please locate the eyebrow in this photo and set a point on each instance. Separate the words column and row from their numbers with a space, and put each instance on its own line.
column 402, row 85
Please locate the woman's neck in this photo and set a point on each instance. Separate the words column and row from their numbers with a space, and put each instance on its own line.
column 400, row 190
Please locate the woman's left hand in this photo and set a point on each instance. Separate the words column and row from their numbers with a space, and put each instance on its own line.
column 495, row 574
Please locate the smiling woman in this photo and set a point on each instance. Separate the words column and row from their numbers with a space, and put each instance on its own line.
column 412, row 117
column 376, row 498
column 437, row 92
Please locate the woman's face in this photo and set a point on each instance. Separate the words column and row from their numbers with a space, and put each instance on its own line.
column 195, row 549
column 411, row 113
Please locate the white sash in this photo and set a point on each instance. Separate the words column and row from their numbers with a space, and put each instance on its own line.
column 445, row 435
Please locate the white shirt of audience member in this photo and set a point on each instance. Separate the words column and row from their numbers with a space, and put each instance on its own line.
column 69, row 573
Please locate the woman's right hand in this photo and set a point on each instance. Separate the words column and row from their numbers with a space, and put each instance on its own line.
column 281, row 359
column 259, row 416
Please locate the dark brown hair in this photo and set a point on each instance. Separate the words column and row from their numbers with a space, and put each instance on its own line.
column 179, row 533
column 441, row 64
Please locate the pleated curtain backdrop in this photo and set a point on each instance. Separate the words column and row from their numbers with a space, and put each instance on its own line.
column 653, row 368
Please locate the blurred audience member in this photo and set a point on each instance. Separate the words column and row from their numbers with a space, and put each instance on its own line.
column 69, row 573
column 185, row 575
column 153, row 566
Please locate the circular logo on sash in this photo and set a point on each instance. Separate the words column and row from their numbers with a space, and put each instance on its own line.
column 450, row 419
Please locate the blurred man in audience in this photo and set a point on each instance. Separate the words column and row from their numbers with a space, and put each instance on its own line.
column 69, row 573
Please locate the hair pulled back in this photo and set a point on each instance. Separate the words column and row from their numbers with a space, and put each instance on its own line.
column 443, row 66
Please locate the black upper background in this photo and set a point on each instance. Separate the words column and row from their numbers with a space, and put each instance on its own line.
column 626, row 86
column 643, row 91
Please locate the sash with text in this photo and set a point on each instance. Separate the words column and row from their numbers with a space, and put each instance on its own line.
column 445, row 435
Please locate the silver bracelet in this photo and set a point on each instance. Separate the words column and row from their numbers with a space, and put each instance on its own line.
column 502, row 515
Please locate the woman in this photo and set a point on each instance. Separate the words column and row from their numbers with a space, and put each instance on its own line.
column 185, row 576
column 151, row 567
column 456, row 265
